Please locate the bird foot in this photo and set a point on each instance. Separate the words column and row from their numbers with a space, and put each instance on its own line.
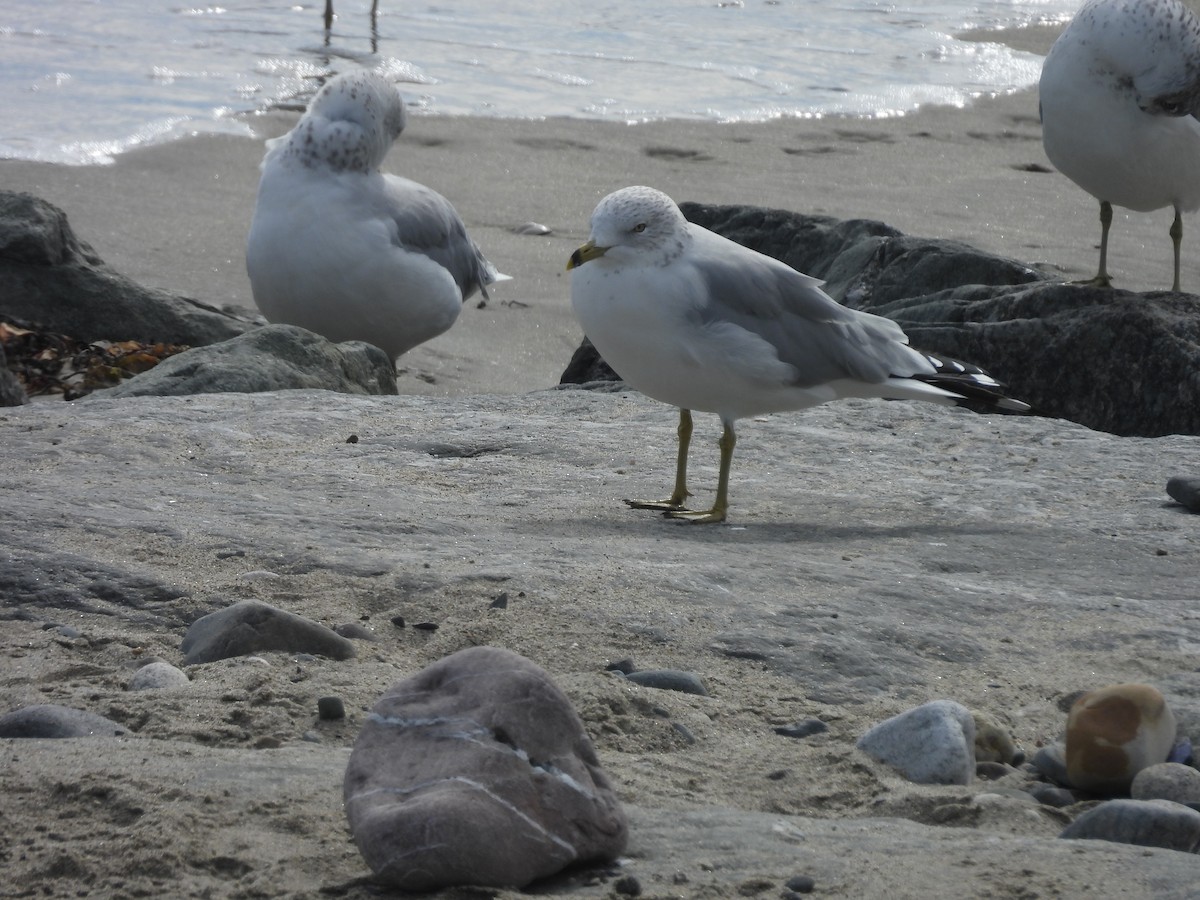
column 668, row 506
column 1100, row 281
column 696, row 517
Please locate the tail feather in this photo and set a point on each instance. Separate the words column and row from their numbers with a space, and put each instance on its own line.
column 973, row 384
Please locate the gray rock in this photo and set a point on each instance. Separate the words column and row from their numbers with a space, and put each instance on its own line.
column 669, row 680
column 1051, row 343
column 1185, row 490
column 157, row 676
column 271, row 358
column 255, row 627
column 11, row 391
column 802, row 729
column 477, row 770
column 51, row 721
column 1049, row 795
column 1147, row 823
column 51, row 278
column 1167, row 781
column 931, row 744
column 1051, row 762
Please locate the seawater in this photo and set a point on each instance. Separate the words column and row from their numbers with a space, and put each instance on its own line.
column 86, row 79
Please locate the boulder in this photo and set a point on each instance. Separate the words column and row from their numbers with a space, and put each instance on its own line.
column 271, row 358
column 50, row 277
column 256, row 627
column 477, row 770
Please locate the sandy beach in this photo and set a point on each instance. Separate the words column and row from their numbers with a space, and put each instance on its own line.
column 1027, row 574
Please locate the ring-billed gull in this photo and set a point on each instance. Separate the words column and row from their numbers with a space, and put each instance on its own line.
column 342, row 249
column 1119, row 94
column 694, row 320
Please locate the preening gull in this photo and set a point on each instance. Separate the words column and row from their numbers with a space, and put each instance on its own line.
column 694, row 320
column 1119, row 93
column 342, row 249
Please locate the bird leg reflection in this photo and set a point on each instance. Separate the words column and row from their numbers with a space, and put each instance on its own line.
column 675, row 501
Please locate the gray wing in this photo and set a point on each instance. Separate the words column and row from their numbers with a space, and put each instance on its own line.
column 427, row 223
column 823, row 340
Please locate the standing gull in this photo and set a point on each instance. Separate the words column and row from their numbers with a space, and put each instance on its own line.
column 340, row 248
column 695, row 320
column 1119, row 94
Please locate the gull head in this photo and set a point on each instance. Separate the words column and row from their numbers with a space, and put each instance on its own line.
column 349, row 126
column 634, row 224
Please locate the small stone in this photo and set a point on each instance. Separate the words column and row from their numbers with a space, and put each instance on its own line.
column 801, row 884
column 1049, row 795
column 48, row 720
column 624, row 666
column 931, row 744
column 252, row 627
column 993, row 743
column 477, row 770
column 398, row 621
column 501, row 601
column 991, row 771
column 1050, row 763
column 532, row 228
column 802, row 729
column 352, row 439
column 1146, row 823
column 157, row 676
column 1115, row 732
column 426, row 626
column 1167, row 781
column 1185, row 490
column 355, row 632
column 628, row 886
column 331, row 708
column 669, row 680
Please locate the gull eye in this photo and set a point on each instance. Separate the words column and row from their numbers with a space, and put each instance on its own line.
column 639, row 227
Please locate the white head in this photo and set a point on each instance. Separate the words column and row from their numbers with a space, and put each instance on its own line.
column 635, row 223
column 349, row 126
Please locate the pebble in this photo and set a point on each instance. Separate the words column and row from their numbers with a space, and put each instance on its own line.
column 48, row 720
column 624, row 666
column 1167, row 781
column 669, row 680
column 1146, row 823
column 1115, row 732
column 356, row 632
column 931, row 744
column 802, row 729
column 1185, row 490
column 1050, row 795
column 252, row 626
column 157, row 676
column 993, row 743
column 331, row 708
column 532, row 228
column 801, row 884
column 1050, row 763
column 628, row 886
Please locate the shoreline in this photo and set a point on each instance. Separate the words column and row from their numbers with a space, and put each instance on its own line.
column 176, row 216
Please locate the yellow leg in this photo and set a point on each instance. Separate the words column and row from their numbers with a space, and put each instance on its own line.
column 675, row 501
column 721, row 504
column 1102, row 279
column 1176, row 239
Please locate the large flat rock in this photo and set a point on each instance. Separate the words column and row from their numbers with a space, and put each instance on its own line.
column 878, row 555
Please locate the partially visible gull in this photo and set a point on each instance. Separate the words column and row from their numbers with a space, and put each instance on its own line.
column 697, row 321
column 1119, row 93
column 342, row 249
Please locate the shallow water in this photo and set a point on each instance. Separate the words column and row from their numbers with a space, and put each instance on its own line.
column 86, row 79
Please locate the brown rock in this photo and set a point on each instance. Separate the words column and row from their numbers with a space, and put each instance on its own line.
column 477, row 770
column 1115, row 732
